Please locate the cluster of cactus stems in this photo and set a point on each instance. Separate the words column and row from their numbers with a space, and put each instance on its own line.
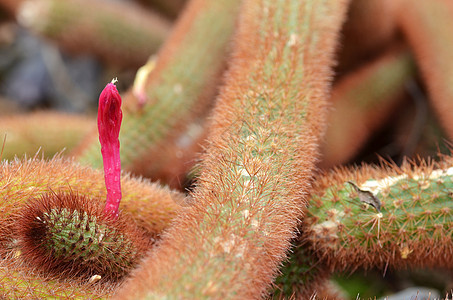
column 64, row 234
column 179, row 88
column 256, row 172
column 71, row 235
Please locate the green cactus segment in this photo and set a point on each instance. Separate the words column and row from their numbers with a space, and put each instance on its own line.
column 183, row 80
column 384, row 83
column 408, row 205
column 367, row 97
column 76, row 235
column 342, row 231
column 416, row 215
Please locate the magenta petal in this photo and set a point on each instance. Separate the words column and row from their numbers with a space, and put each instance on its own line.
column 109, row 123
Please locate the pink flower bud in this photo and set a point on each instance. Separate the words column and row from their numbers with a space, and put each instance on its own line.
column 109, row 123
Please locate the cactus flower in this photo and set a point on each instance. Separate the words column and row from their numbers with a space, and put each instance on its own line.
column 109, row 123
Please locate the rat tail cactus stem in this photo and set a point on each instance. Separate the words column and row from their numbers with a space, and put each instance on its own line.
column 117, row 33
column 258, row 166
column 368, row 96
column 427, row 27
column 48, row 132
column 372, row 217
column 109, row 123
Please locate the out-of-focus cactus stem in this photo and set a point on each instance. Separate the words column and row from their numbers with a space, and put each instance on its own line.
column 117, row 33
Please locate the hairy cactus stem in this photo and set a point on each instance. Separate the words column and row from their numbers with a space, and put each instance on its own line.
column 120, row 34
column 262, row 149
column 48, row 132
column 415, row 216
column 367, row 96
column 373, row 217
column 17, row 281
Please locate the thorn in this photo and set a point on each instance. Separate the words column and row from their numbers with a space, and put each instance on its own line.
column 367, row 197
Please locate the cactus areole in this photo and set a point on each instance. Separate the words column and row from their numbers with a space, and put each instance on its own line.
column 109, row 123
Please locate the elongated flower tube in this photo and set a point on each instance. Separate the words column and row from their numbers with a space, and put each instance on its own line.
column 109, row 123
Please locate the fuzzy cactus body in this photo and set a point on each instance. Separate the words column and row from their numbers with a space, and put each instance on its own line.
column 48, row 132
column 42, row 188
column 118, row 34
column 367, row 96
column 385, row 217
column 412, row 228
column 66, row 233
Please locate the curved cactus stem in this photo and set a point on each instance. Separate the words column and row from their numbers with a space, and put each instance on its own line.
column 367, row 96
